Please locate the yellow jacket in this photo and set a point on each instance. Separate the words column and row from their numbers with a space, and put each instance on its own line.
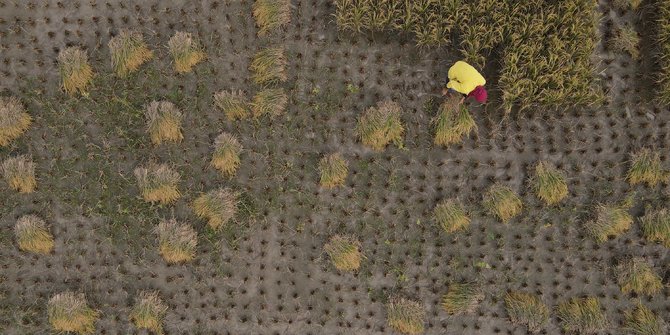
column 463, row 78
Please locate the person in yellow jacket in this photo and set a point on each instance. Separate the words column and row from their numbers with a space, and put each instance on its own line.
column 466, row 80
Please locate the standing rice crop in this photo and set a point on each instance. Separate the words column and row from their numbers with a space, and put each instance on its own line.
column 636, row 275
column 269, row 66
column 344, row 252
column 663, row 57
column 406, row 316
column 32, row 235
column 582, row 315
column 233, row 104
column 14, row 120
column 642, row 321
column 217, row 206
column 185, row 51
column 626, row 40
column 462, row 298
column 334, row 170
column 610, row 221
column 164, row 122
column 68, row 312
column 75, row 71
column 381, row 125
column 626, row 4
column 128, row 52
column 453, row 122
column 148, row 312
column 527, row 309
column 451, row 215
column 549, row 184
column 502, row 202
column 646, row 167
column 158, row 183
column 656, row 226
column 19, row 172
column 176, row 241
column 226, row 156
column 270, row 101
column 271, row 15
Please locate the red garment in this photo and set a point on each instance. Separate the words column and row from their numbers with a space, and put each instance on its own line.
column 480, row 94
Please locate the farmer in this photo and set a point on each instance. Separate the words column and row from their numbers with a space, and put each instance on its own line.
column 466, row 80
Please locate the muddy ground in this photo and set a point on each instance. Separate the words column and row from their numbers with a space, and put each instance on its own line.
column 267, row 274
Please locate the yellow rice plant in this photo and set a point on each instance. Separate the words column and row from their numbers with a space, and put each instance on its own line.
column 656, row 226
column 269, row 66
column 19, row 172
column 381, row 125
column 226, row 156
column 582, row 315
column 626, row 4
column 502, row 202
column 527, row 309
column 271, row 15
column 344, row 252
column 627, row 40
column 14, row 120
column 75, row 71
column 646, row 167
column 128, row 51
column 68, row 312
column 176, row 241
column 636, row 275
column 185, row 51
column 163, row 122
column 642, row 321
column 462, row 298
column 270, row 101
column 148, row 312
column 453, row 122
column 549, row 184
column 663, row 44
column 217, row 206
column 233, row 104
column 32, row 235
column 334, row 170
column 610, row 221
column 158, row 183
column 405, row 316
column 451, row 215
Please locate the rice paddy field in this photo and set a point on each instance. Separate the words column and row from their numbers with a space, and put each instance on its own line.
column 291, row 167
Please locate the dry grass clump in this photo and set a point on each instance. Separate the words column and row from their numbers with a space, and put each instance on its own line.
column 158, row 183
column 176, row 241
column 75, row 71
column 68, row 312
column 582, row 315
column 451, row 215
column 406, row 316
column 226, row 156
column 14, row 120
column 128, row 52
column 502, row 202
column 148, row 312
column 626, row 39
column 19, row 172
column 453, row 122
column 32, row 235
column 610, row 221
column 642, row 321
column 646, row 168
column 656, row 226
column 636, row 275
column 527, row 309
column 233, row 104
column 334, row 170
column 271, row 14
column 269, row 66
column 549, row 184
column 217, row 206
column 381, row 125
column 271, row 101
column 186, row 51
column 625, row 4
column 462, row 298
column 164, row 122
column 344, row 252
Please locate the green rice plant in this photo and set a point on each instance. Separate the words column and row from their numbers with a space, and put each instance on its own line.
column 451, row 215
column 344, row 252
column 128, row 51
column 185, row 51
column 75, row 71
column 642, row 321
column 164, row 122
column 527, row 309
column 646, row 167
column 636, row 275
column 269, row 66
column 68, row 312
column 502, row 202
column 19, row 172
column 148, row 312
column 381, row 125
column 32, row 235
column 610, row 221
column 233, row 104
column 226, row 156
column 663, row 57
column 176, row 241
column 14, row 120
column 453, row 122
column 271, row 15
column 626, row 4
column 405, row 316
column 582, row 315
column 549, row 184
column 627, row 40
column 462, row 298
column 656, row 226
column 334, row 170
column 158, row 183
column 270, row 101
column 217, row 206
